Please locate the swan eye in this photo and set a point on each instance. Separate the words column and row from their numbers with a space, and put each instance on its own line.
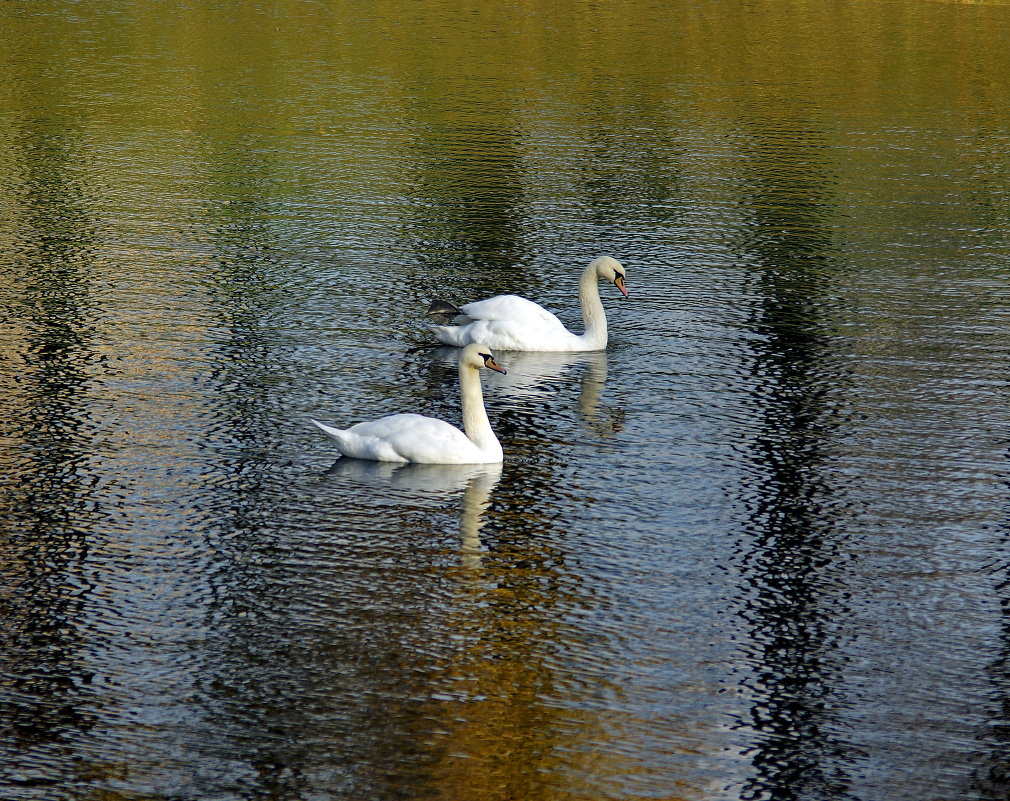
column 485, row 357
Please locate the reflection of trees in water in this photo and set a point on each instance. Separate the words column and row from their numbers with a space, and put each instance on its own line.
column 789, row 559
column 248, row 683
column 992, row 779
column 469, row 699
column 626, row 166
column 363, row 665
column 313, row 667
column 46, row 502
column 468, row 215
column 495, row 730
column 499, row 720
column 506, row 619
column 262, row 677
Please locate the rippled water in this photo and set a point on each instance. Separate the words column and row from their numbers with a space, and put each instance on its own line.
column 756, row 549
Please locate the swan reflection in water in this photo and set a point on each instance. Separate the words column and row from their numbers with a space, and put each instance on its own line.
column 475, row 481
column 535, row 377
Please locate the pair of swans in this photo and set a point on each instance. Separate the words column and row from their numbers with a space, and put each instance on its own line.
column 504, row 322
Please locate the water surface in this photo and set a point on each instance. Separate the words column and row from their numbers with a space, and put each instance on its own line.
column 756, row 549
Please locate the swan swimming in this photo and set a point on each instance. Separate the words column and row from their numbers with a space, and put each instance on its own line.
column 509, row 322
column 427, row 440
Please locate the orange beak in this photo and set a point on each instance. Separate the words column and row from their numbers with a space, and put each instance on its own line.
column 619, row 283
column 491, row 364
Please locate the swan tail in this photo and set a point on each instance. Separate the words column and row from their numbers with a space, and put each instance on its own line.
column 442, row 311
column 454, row 335
column 333, row 433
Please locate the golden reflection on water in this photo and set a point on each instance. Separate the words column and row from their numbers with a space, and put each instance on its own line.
column 295, row 76
column 208, row 208
column 507, row 718
column 497, row 734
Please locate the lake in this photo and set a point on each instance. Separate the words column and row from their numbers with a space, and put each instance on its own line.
column 758, row 548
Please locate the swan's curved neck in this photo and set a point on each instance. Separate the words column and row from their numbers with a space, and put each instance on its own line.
column 592, row 309
column 476, row 426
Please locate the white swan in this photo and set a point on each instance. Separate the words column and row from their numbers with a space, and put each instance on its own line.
column 509, row 322
column 426, row 440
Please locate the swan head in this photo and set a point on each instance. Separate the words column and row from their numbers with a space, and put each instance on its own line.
column 611, row 270
column 477, row 356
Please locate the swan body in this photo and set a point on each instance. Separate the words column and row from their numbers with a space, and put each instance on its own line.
column 427, row 440
column 509, row 322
